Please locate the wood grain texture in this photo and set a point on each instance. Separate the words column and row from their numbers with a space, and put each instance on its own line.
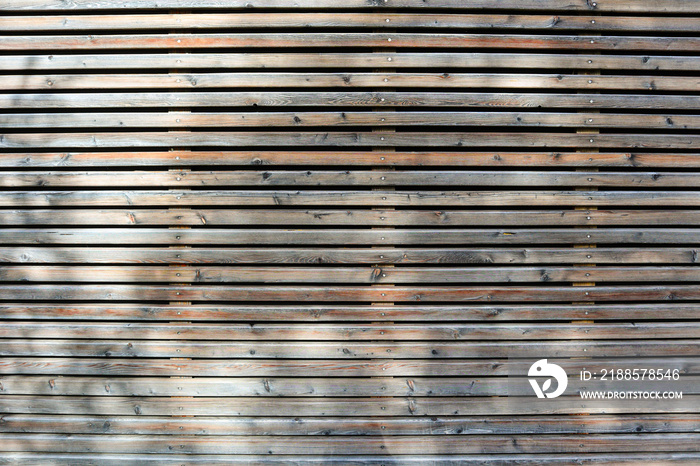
column 347, row 80
column 180, row 158
column 337, row 19
column 452, row 425
column 365, row 294
column 346, row 407
column 340, row 256
column 40, row 459
column 657, row 6
column 359, row 445
column 272, row 232
column 353, row 275
column 345, row 350
column 345, row 39
column 348, row 99
column 336, row 237
column 353, row 312
column 349, row 217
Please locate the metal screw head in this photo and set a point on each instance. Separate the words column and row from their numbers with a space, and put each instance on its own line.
column 389, row 59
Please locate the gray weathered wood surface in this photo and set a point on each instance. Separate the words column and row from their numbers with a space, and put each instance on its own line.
column 325, row 232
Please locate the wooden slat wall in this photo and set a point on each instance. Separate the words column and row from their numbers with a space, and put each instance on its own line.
column 314, row 231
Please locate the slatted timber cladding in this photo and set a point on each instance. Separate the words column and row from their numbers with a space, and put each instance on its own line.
column 314, row 231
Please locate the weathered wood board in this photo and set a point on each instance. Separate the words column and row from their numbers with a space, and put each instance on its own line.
column 324, row 232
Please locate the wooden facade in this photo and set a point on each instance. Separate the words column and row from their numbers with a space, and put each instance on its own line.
column 319, row 231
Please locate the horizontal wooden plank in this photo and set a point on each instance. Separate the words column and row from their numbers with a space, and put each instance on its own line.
column 375, row 293
column 347, row 39
column 375, row 255
column 447, row 425
column 114, row 459
column 348, row 331
column 322, row 178
column 351, row 79
column 319, row 368
column 344, row 312
column 350, row 60
column 306, row 386
column 198, row 21
column 405, row 445
column 342, row 236
column 265, row 198
column 359, row 275
column 183, row 139
column 324, row 217
column 182, row 120
column 413, row 406
column 134, row 100
column 658, row 6
column 345, row 350
column 178, row 158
